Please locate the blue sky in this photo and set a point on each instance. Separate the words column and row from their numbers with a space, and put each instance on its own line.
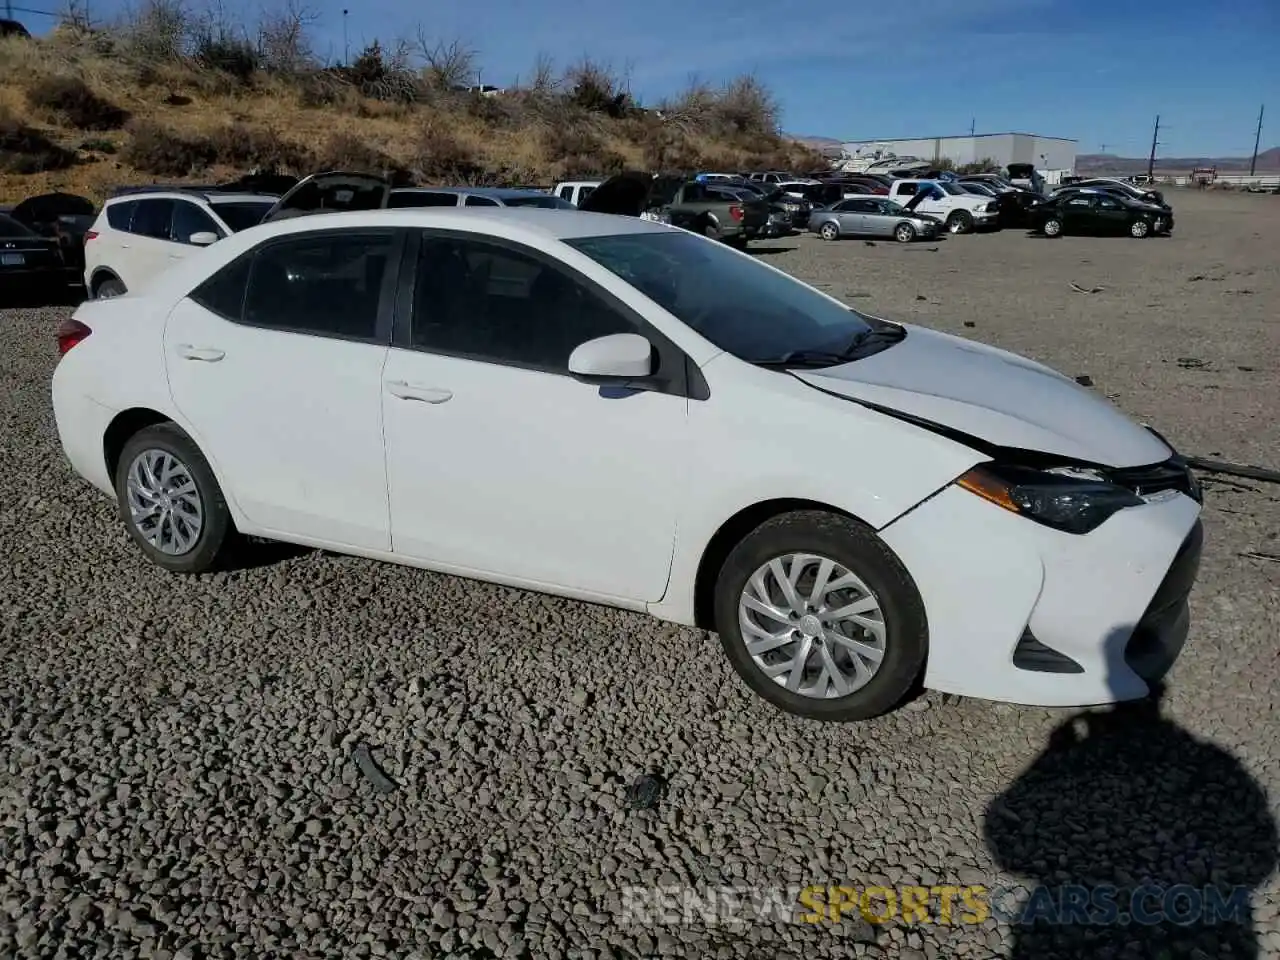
column 1094, row 71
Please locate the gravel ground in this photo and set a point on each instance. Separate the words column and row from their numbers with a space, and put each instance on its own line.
column 176, row 776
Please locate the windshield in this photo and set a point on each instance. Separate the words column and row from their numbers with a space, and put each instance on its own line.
column 742, row 306
column 548, row 202
column 892, row 208
column 241, row 215
column 950, row 188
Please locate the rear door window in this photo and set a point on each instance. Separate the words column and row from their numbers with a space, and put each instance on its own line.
column 152, row 218
column 475, row 200
column 421, row 198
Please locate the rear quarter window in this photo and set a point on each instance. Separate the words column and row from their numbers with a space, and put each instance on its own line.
column 120, row 215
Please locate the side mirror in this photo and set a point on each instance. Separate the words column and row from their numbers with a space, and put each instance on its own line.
column 618, row 356
column 203, row 238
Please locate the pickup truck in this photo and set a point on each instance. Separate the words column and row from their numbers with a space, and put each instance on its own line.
column 711, row 209
column 961, row 211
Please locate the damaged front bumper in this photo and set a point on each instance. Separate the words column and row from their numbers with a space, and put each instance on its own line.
column 1022, row 613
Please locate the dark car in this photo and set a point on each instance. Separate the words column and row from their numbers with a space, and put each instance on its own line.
column 65, row 217
column 1099, row 213
column 1014, row 202
column 1115, row 190
column 1129, row 189
column 32, row 267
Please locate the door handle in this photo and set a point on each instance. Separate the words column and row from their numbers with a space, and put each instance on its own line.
column 207, row 354
column 412, row 391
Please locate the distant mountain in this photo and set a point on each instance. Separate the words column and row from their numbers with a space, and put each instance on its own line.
column 815, row 141
column 1268, row 162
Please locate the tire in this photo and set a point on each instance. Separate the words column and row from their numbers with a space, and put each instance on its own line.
column 166, row 445
column 855, row 548
column 710, row 230
column 109, row 288
column 829, row 231
column 1052, row 227
column 1139, row 229
column 960, row 222
column 904, row 233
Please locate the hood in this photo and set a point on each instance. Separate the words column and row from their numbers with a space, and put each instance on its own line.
column 331, row 192
column 994, row 396
column 48, row 207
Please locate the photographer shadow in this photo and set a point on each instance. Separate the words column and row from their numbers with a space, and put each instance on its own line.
column 1139, row 841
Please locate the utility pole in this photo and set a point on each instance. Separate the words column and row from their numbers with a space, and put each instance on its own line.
column 346, row 46
column 1151, row 163
column 1257, row 138
column 973, row 125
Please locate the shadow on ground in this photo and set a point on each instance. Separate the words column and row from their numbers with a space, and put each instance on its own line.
column 1139, row 841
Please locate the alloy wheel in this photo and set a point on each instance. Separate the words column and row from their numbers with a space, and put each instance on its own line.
column 904, row 233
column 1052, row 228
column 164, row 502
column 830, row 231
column 1139, row 228
column 812, row 626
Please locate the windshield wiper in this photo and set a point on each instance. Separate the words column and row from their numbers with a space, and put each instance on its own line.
column 864, row 343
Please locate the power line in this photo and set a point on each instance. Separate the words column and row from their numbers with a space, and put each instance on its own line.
column 40, row 13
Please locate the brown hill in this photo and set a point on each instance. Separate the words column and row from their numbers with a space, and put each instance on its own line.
column 168, row 97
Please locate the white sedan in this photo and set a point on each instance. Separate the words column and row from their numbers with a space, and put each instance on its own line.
column 623, row 412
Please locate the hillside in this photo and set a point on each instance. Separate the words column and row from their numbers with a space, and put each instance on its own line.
column 169, row 98
column 1268, row 163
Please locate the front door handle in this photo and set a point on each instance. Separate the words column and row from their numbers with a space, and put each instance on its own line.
column 207, row 354
column 413, row 391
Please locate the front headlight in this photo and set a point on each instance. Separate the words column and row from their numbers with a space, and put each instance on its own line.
column 1071, row 499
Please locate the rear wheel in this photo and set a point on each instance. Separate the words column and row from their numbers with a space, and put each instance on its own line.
column 960, row 222
column 904, row 233
column 1053, row 227
column 110, row 288
column 710, row 230
column 170, row 502
column 1139, row 229
column 820, row 618
column 829, row 231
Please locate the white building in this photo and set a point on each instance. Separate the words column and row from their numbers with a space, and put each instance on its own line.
column 1052, row 156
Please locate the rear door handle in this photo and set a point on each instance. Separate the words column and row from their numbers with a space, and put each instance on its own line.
column 413, row 391
column 207, row 354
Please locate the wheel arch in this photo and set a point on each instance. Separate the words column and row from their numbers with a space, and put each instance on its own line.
column 100, row 276
column 124, row 425
column 728, row 535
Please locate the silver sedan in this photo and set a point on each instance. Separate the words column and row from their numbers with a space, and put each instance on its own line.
column 871, row 217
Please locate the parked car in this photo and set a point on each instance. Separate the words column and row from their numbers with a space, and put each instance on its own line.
column 961, row 212
column 872, row 217
column 1014, row 202
column 141, row 233
column 1025, row 175
column 66, row 217
column 475, row 197
column 534, row 400
column 710, row 209
column 771, row 176
column 1128, row 189
column 1082, row 211
column 32, row 267
column 575, row 191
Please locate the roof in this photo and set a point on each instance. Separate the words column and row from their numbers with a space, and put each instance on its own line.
column 212, row 196
column 532, row 222
column 961, row 136
column 498, row 192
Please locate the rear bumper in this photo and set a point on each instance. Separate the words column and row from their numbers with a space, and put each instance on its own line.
column 82, row 423
column 1021, row 613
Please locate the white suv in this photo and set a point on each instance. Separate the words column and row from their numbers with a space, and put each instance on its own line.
column 140, row 234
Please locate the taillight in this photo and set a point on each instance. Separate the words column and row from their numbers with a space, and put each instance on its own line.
column 735, row 212
column 71, row 332
column 90, row 235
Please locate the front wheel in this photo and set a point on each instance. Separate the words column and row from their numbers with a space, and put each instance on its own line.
column 904, row 233
column 960, row 222
column 820, row 617
column 170, row 502
column 829, row 231
column 1139, row 229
